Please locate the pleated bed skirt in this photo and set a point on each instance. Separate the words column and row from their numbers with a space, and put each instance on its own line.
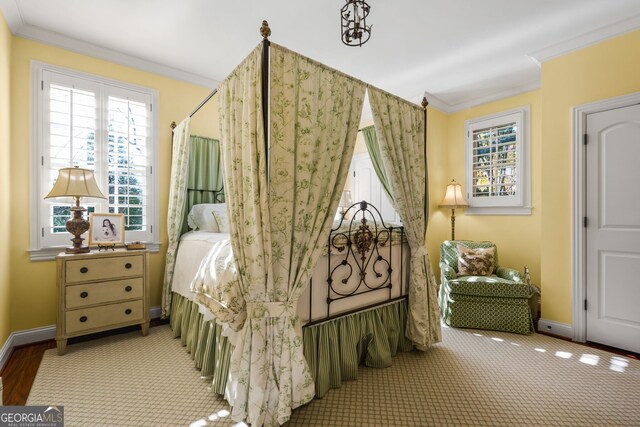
column 333, row 349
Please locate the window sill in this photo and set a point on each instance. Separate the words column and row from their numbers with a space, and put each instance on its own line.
column 491, row 210
column 49, row 254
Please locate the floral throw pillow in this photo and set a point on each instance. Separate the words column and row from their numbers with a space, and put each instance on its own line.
column 475, row 262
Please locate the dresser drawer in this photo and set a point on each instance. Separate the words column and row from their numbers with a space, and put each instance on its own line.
column 101, row 292
column 106, row 315
column 104, row 268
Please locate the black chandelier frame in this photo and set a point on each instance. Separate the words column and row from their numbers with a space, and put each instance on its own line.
column 354, row 28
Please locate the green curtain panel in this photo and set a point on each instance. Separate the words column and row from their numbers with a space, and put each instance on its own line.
column 371, row 141
column 204, row 172
column 177, row 206
column 400, row 131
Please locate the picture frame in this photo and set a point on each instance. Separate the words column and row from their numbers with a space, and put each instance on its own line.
column 106, row 229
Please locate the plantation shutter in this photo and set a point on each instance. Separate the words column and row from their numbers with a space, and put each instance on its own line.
column 495, row 166
column 104, row 128
column 494, row 157
column 128, row 151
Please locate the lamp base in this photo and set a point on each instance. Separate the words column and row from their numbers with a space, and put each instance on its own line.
column 77, row 226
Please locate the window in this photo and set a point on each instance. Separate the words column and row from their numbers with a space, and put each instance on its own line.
column 497, row 164
column 99, row 124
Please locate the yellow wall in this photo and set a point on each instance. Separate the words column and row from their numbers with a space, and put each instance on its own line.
column 33, row 286
column 541, row 240
column 5, row 184
column 516, row 236
column 438, row 170
column 602, row 71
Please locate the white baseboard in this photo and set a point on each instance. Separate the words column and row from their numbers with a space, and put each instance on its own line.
column 556, row 328
column 44, row 333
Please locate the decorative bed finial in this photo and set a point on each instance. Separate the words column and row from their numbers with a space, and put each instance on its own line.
column 424, row 102
column 173, row 125
column 265, row 31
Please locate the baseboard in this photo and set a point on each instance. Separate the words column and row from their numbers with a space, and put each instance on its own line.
column 556, row 328
column 5, row 351
column 44, row 333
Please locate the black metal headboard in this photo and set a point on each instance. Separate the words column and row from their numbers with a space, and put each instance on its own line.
column 198, row 195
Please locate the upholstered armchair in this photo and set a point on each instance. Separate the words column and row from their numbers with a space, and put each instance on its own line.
column 494, row 298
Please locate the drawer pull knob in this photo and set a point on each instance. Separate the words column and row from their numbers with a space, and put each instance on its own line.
column 83, row 319
column 84, row 270
column 128, row 288
column 127, row 311
column 128, row 265
column 84, row 294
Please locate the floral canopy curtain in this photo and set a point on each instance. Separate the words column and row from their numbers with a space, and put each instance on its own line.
column 176, row 211
column 277, row 233
column 400, row 130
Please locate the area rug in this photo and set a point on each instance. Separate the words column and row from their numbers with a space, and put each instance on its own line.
column 472, row 378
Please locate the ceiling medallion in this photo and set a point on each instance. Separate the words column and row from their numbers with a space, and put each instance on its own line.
column 355, row 31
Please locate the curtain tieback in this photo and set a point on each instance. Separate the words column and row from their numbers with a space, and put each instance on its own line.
column 264, row 310
column 421, row 251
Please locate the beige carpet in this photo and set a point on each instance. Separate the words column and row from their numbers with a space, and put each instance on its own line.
column 472, row 378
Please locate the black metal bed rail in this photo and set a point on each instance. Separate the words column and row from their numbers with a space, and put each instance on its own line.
column 360, row 260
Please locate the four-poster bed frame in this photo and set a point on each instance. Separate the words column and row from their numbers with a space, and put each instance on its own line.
column 361, row 241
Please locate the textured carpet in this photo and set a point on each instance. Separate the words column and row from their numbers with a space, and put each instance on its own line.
column 472, row 378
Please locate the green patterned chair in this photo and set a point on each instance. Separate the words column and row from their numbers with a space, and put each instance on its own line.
column 499, row 301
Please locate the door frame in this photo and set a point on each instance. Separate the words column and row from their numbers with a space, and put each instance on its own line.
column 579, row 188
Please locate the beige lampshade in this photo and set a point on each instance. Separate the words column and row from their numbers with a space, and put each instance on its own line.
column 453, row 198
column 75, row 182
column 345, row 199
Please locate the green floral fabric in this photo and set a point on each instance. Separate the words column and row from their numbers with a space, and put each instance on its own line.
column 176, row 211
column 400, row 131
column 278, row 224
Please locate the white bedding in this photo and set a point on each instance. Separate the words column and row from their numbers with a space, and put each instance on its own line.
column 195, row 246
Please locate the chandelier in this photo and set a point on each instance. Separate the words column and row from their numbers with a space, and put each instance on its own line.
column 355, row 31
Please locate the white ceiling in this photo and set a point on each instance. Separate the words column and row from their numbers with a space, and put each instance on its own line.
column 462, row 52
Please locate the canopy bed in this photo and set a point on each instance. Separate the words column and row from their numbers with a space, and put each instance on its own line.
column 288, row 127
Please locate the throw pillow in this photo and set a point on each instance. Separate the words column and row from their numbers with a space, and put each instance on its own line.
column 475, row 262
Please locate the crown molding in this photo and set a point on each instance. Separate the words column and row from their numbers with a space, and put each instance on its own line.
column 587, row 39
column 12, row 14
column 445, row 107
column 55, row 39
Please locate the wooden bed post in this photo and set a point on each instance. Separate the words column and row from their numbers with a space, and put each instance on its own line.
column 265, row 32
column 426, row 180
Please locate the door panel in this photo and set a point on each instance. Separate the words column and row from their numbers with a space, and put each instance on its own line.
column 613, row 227
column 365, row 185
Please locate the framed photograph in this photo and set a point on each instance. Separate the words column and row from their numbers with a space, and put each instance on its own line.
column 106, row 229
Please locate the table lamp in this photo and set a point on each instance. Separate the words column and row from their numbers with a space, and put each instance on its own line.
column 76, row 182
column 345, row 202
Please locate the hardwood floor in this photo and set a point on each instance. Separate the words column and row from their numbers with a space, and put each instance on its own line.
column 20, row 370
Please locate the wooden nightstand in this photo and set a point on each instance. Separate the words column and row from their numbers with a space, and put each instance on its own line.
column 98, row 291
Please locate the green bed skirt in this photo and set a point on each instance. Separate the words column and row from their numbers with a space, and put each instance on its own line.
column 333, row 349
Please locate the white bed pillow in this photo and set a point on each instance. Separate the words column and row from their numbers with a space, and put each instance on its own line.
column 221, row 219
column 201, row 217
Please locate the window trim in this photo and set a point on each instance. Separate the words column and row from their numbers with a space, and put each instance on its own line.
column 493, row 205
column 38, row 252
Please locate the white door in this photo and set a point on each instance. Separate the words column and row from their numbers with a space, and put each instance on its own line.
column 365, row 185
column 613, row 227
